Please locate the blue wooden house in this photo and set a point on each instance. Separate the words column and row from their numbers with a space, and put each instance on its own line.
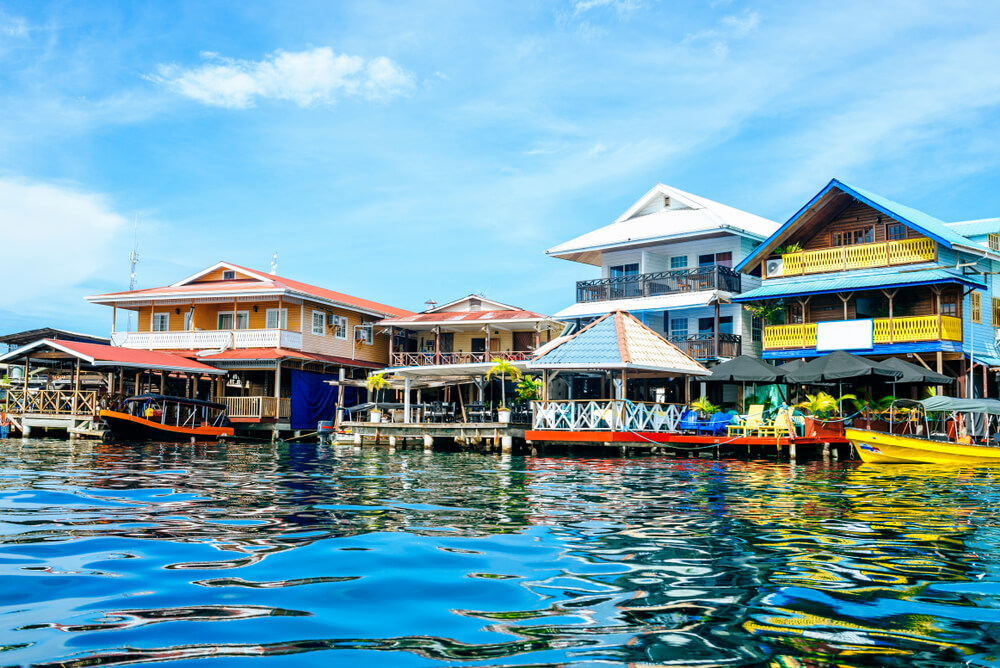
column 855, row 271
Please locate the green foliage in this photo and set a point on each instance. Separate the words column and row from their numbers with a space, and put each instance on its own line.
column 529, row 389
column 772, row 312
column 930, row 391
column 823, row 405
column 790, row 248
column 503, row 368
column 754, row 399
column 869, row 404
column 376, row 383
column 704, row 406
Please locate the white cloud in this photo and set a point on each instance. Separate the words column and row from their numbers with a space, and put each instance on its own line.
column 314, row 76
column 65, row 238
column 621, row 6
column 13, row 26
column 743, row 24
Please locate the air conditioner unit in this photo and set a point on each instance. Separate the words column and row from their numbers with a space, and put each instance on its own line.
column 772, row 268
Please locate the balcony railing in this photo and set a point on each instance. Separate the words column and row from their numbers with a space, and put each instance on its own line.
column 658, row 283
column 859, row 256
column 886, row 330
column 702, row 346
column 585, row 415
column 52, row 402
column 432, row 359
column 210, row 339
column 260, row 408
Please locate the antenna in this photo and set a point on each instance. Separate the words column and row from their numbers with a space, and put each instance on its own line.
column 133, row 258
column 274, row 263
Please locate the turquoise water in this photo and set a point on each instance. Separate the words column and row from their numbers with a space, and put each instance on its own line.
column 333, row 556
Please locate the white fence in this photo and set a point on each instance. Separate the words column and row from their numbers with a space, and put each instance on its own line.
column 605, row 416
column 210, row 339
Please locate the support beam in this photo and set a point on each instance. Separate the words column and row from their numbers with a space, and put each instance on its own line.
column 406, row 400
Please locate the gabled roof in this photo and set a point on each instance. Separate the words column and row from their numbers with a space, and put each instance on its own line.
column 467, row 317
column 618, row 341
column 98, row 355
column 499, row 306
column 925, row 224
column 31, row 335
column 815, row 284
column 664, row 214
column 976, row 228
column 257, row 283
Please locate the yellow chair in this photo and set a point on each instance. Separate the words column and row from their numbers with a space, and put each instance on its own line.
column 750, row 423
column 780, row 426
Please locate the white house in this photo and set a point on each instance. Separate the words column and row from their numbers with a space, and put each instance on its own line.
column 669, row 261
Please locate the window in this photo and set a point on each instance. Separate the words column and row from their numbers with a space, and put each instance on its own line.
column 620, row 270
column 276, row 320
column 706, row 260
column 895, row 232
column 724, row 259
column 996, row 311
column 678, row 328
column 365, row 333
column 161, row 322
column 994, row 240
column 679, row 262
column 229, row 275
column 949, row 305
column 865, row 235
column 242, row 320
column 975, row 305
column 756, row 329
column 339, row 325
column 319, row 323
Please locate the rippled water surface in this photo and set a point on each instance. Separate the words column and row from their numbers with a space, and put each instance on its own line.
column 335, row 556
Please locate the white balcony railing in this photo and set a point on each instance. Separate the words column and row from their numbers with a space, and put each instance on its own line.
column 210, row 339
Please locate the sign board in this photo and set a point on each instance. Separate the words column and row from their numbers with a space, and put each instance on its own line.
column 845, row 335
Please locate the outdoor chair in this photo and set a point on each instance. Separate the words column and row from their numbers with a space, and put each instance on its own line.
column 688, row 421
column 750, row 423
column 717, row 424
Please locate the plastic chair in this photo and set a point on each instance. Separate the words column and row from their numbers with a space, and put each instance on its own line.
column 749, row 424
column 717, row 424
column 688, row 421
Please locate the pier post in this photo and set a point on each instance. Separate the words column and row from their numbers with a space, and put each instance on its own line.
column 506, row 444
column 428, row 442
column 357, row 440
column 392, row 444
column 25, row 429
column 826, row 452
column 791, row 451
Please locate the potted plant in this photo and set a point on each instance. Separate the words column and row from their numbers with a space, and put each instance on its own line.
column 873, row 411
column 503, row 368
column 375, row 384
column 822, row 407
column 704, row 407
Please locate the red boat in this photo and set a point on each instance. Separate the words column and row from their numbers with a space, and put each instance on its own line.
column 156, row 417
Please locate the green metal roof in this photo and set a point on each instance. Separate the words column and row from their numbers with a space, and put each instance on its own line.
column 976, row 228
column 826, row 283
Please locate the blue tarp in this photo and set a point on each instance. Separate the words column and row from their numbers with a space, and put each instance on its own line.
column 314, row 400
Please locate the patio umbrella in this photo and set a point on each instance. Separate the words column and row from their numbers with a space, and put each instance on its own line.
column 840, row 365
column 916, row 374
column 794, row 365
column 745, row 368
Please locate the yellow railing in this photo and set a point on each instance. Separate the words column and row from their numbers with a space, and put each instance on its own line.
column 886, row 330
column 860, row 256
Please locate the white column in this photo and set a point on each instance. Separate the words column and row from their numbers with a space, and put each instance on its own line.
column 406, row 399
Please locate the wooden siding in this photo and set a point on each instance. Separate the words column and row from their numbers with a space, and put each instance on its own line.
column 217, row 276
column 856, row 216
column 917, row 301
column 462, row 341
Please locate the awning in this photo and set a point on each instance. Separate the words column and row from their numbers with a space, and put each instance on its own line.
column 845, row 282
column 950, row 404
column 98, row 355
column 670, row 302
column 271, row 354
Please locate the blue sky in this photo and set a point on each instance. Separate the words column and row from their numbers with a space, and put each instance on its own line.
column 402, row 152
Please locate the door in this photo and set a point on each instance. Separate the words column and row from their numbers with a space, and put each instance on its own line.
column 621, row 285
column 524, row 341
column 479, row 345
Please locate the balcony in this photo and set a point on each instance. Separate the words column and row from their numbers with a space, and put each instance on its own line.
column 859, row 256
column 702, row 346
column 432, row 359
column 257, row 409
column 658, row 283
column 885, row 331
column 209, row 339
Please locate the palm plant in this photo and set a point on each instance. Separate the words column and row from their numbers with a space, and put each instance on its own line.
column 376, row 383
column 503, row 368
column 704, row 406
column 867, row 403
column 823, row 405
column 529, row 389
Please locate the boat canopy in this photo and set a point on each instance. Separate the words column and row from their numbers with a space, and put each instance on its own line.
column 953, row 404
column 177, row 400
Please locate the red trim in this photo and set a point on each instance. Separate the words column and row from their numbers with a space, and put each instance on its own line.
column 659, row 437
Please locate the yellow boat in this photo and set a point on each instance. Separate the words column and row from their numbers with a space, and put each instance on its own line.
column 930, row 429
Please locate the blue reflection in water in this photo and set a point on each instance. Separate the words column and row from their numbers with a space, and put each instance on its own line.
column 172, row 553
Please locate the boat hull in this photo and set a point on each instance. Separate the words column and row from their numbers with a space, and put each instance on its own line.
column 125, row 427
column 875, row 447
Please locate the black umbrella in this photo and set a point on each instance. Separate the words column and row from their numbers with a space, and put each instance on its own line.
column 748, row 370
column 794, row 365
column 915, row 374
column 840, row 365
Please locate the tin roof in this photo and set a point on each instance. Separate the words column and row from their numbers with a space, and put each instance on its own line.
column 618, row 341
column 99, row 355
column 976, row 228
column 453, row 317
column 841, row 281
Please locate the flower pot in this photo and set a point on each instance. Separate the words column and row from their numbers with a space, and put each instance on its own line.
column 817, row 428
column 375, row 416
column 503, row 415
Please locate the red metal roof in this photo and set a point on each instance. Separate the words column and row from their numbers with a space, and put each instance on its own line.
column 464, row 316
column 130, row 357
column 266, row 283
column 283, row 353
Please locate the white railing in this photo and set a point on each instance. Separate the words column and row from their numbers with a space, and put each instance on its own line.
column 261, row 408
column 605, row 416
column 209, row 339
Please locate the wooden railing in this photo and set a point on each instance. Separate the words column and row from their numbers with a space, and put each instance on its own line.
column 702, row 346
column 432, row 359
column 658, row 283
column 886, row 330
column 858, row 256
column 586, row 415
column 261, row 408
column 210, row 339
column 52, row 402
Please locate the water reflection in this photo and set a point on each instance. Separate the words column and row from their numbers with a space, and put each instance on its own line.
column 175, row 552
